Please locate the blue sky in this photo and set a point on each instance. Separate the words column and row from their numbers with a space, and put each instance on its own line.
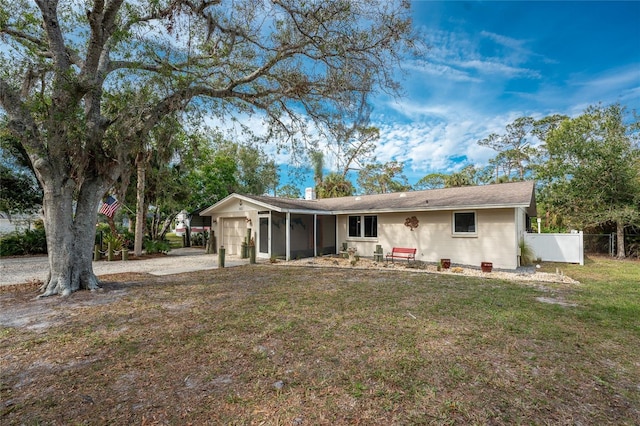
column 491, row 62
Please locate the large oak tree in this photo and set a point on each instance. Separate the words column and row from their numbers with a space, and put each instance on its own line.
column 84, row 82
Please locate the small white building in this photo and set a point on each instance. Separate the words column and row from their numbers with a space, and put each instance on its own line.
column 17, row 222
column 182, row 223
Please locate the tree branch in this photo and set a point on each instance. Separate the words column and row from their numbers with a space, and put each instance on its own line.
column 49, row 10
column 25, row 39
column 20, row 120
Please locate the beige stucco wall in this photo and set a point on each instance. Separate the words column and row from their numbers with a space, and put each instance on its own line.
column 235, row 210
column 495, row 240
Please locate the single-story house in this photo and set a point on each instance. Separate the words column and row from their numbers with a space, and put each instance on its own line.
column 468, row 225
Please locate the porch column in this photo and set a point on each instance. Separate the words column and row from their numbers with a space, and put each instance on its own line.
column 315, row 235
column 288, row 236
column 337, row 235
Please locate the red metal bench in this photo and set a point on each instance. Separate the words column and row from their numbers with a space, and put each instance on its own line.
column 402, row 253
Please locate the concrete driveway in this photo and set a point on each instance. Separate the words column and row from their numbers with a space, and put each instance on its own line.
column 35, row 268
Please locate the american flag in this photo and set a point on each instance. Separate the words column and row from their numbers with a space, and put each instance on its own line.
column 109, row 207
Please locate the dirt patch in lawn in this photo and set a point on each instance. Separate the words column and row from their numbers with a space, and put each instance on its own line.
column 556, row 301
column 22, row 308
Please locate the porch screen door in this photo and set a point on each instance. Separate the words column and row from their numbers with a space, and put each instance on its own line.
column 264, row 235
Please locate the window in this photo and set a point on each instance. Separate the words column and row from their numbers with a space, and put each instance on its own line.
column 354, row 226
column 357, row 230
column 464, row 223
column 371, row 226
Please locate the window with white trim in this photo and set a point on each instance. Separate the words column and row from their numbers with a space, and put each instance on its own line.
column 464, row 223
column 363, row 226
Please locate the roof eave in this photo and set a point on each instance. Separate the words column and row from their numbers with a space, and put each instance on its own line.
column 431, row 209
column 209, row 211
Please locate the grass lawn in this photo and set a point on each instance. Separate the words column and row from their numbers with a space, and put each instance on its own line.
column 278, row 345
column 174, row 240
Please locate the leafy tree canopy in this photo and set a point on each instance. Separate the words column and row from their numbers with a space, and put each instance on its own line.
column 289, row 190
column 591, row 175
column 334, row 185
column 84, row 84
column 431, row 181
column 380, row 178
column 517, row 148
column 19, row 193
column 256, row 172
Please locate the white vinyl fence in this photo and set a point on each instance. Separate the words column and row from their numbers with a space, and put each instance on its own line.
column 568, row 248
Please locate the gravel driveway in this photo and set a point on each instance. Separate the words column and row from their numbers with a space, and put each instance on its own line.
column 35, row 268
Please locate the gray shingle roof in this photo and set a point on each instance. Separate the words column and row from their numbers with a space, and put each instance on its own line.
column 513, row 194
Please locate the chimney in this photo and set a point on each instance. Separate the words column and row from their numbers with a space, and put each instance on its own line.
column 309, row 194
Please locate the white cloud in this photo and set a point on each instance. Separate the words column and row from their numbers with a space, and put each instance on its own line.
column 509, row 42
column 516, row 50
column 571, row 97
column 416, row 109
column 616, row 85
column 453, row 55
column 438, row 138
column 441, row 70
column 495, row 67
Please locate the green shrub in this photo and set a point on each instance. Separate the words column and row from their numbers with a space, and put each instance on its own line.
column 104, row 235
column 116, row 243
column 129, row 239
column 20, row 243
column 10, row 245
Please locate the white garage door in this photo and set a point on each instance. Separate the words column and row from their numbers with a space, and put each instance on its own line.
column 233, row 233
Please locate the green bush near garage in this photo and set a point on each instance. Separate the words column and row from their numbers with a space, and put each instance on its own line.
column 26, row 242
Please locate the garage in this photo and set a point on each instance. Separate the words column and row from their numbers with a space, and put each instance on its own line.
column 233, row 233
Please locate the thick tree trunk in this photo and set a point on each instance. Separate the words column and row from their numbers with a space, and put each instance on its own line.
column 621, row 252
column 70, row 236
column 140, row 219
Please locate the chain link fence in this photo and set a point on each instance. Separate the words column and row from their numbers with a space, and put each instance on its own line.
column 606, row 244
column 632, row 245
